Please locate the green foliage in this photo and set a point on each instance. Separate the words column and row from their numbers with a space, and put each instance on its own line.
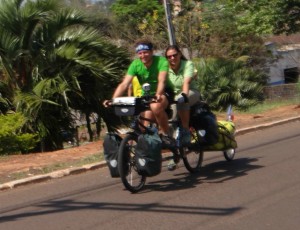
column 136, row 18
column 211, row 30
column 54, row 63
column 223, row 83
column 12, row 139
column 11, row 123
column 266, row 17
column 27, row 142
column 288, row 17
column 190, row 29
column 5, row 104
column 135, row 11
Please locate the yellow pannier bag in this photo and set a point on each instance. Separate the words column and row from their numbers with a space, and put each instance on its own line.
column 226, row 139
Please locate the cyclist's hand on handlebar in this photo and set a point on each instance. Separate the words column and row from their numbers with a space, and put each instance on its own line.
column 183, row 98
column 107, row 103
column 157, row 98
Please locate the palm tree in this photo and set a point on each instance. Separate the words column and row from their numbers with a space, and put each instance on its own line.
column 55, row 63
column 224, row 82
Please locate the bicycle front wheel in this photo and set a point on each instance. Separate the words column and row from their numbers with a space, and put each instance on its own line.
column 130, row 177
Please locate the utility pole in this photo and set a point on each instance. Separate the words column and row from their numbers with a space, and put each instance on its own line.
column 171, row 33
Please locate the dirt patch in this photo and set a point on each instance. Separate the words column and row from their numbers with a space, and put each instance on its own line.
column 283, row 112
column 33, row 162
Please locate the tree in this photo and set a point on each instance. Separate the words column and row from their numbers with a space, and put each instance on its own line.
column 47, row 61
column 139, row 17
column 224, row 82
column 189, row 28
column 210, row 30
column 266, row 17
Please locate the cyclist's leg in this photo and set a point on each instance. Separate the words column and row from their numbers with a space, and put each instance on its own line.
column 149, row 118
column 159, row 111
column 160, row 114
column 184, row 108
column 184, row 114
column 194, row 96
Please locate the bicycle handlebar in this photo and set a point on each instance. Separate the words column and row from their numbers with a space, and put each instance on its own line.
column 128, row 106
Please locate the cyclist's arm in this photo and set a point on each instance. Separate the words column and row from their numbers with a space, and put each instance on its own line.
column 162, row 78
column 188, row 77
column 186, row 85
column 123, row 86
column 130, row 90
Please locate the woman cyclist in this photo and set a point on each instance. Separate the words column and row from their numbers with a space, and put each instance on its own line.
column 182, row 77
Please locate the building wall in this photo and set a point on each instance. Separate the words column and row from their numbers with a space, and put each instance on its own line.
column 286, row 58
column 284, row 91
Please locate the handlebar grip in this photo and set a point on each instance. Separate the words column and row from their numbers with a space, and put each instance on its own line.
column 108, row 103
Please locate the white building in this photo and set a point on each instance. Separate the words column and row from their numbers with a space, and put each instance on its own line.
column 285, row 67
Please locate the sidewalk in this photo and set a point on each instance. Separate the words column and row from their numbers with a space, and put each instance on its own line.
column 33, row 162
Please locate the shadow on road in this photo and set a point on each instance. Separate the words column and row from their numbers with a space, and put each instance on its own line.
column 221, row 171
column 63, row 206
column 217, row 172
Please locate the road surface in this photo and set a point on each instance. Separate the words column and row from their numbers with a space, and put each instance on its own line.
column 260, row 189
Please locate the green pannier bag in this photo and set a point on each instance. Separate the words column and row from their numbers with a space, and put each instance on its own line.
column 148, row 154
column 111, row 145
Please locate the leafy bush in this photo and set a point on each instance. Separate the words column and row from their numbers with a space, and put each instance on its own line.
column 12, row 140
column 226, row 82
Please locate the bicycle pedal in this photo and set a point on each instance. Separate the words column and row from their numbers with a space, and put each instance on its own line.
column 176, row 158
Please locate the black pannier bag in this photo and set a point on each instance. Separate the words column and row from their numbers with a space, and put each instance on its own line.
column 148, row 154
column 111, row 147
column 205, row 123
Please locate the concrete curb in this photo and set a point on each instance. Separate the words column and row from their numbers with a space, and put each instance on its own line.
column 77, row 170
column 52, row 175
column 266, row 125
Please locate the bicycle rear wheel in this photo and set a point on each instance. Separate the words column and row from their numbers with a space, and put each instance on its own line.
column 192, row 159
column 192, row 156
column 130, row 177
column 229, row 154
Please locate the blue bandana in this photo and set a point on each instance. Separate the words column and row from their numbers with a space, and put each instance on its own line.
column 141, row 47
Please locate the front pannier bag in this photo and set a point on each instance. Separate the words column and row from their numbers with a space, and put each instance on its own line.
column 111, row 147
column 148, row 154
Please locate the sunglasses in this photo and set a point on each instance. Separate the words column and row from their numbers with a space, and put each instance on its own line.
column 173, row 55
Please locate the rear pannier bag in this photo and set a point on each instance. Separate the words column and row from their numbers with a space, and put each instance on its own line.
column 226, row 138
column 226, row 135
column 111, row 147
column 148, row 154
column 205, row 123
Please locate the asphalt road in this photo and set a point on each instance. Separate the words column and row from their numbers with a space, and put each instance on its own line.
column 260, row 189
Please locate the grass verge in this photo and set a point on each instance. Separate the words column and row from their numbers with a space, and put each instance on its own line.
column 271, row 105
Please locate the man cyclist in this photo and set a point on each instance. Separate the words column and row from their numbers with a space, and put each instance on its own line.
column 151, row 69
